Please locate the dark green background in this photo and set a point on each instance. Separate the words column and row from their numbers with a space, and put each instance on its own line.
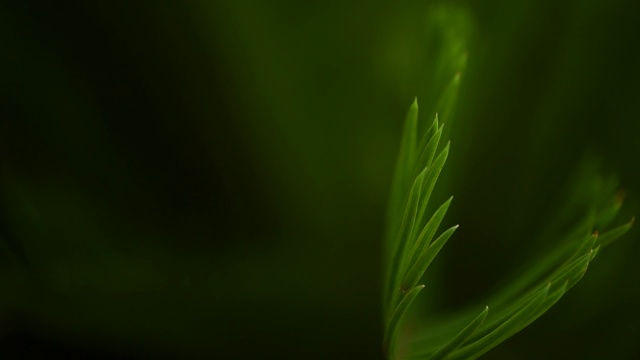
column 209, row 178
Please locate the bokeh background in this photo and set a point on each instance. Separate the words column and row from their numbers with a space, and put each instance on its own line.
column 208, row 179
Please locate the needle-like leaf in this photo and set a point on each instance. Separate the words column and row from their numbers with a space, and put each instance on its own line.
column 417, row 270
column 394, row 323
column 461, row 337
column 424, row 239
column 610, row 236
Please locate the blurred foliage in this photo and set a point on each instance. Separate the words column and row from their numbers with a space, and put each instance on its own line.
column 191, row 179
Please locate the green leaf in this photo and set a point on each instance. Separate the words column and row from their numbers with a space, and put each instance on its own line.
column 610, row 236
column 394, row 323
column 461, row 337
column 428, row 232
column 404, row 167
column 417, row 270
column 448, row 98
column 430, row 179
column 428, row 135
column 400, row 243
column 514, row 324
column 429, row 150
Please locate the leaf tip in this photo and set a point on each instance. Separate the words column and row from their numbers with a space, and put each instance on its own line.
column 484, row 313
column 445, row 151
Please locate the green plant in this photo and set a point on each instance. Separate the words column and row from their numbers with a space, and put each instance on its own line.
column 410, row 249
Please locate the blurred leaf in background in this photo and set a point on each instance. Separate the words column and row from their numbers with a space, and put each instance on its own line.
column 190, row 180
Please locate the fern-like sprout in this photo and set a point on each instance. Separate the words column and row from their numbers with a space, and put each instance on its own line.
column 410, row 249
